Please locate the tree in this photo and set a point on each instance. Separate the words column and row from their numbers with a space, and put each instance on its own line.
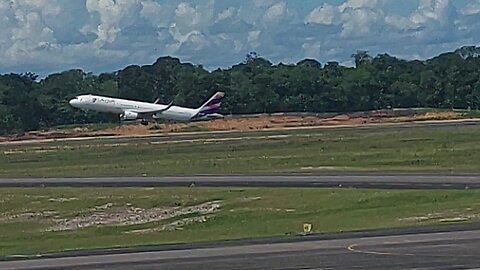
column 254, row 85
column 21, row 102
column 361, row 58
column 250, row 57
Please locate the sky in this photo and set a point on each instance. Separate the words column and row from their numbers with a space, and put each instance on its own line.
column 48, row 36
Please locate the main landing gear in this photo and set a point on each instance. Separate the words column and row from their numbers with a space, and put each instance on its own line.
column 144, row 122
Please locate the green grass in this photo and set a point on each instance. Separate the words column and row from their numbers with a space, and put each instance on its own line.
column 384, row 148
column 275, row 212
column 471, row 114
column 192, row 127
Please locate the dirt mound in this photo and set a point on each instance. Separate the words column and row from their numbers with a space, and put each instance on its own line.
column 439, row 116
column 282, row 121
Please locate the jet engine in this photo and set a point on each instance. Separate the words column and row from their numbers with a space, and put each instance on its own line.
column 128, row 116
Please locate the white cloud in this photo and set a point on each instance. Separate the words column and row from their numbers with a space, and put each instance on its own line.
column 152, row 11
column 226, row 14
column 357, row 17
column 356, row 4
column 367, row 24
column 441, row 11
column 105, row 35
column 276, row 11
column 399, row 22
column 472, row 8
column 325, row 14
column 361, row 22
column 187, row 13
column 263, row 3
column 253, row 38
column 113, row 15
column 26, row 33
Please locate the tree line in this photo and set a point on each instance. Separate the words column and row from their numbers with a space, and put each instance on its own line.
column 450, row 80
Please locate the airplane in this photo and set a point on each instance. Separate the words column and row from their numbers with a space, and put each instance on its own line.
column 131, row 110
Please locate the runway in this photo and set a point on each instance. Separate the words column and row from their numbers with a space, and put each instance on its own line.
column 387, row 249
column 440, row 250
column 397, row 181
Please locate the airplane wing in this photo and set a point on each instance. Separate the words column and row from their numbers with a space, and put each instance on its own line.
column 155, row 111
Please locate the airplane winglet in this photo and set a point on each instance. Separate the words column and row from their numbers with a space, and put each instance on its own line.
column 166, row 108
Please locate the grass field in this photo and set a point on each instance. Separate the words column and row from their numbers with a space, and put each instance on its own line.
column 454, row 148
column 27, row 214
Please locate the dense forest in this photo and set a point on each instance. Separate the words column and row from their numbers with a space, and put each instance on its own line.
column 451, row 80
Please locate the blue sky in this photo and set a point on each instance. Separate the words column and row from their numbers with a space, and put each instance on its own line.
column 46, row 36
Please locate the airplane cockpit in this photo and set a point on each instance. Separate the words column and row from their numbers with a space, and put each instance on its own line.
column 78, row 100
column 75, row 101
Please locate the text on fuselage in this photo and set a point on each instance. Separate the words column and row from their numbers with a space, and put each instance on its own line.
column 103, row 100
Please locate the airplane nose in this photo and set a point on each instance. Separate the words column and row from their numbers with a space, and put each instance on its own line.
column 74, row 102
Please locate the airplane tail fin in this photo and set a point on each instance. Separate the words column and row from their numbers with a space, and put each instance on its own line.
column 212, row 105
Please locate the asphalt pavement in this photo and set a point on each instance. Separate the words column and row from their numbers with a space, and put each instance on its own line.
column 439, row 250
column 394, row 249
column 396, row 181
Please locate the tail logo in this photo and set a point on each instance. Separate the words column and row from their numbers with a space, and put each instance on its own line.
column 212, row 105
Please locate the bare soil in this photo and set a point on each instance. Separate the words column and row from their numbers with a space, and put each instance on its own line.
column 246, row 123
column 106, row 215
column 278, row 121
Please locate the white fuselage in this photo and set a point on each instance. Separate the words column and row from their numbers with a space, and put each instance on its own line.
column 122, row 106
